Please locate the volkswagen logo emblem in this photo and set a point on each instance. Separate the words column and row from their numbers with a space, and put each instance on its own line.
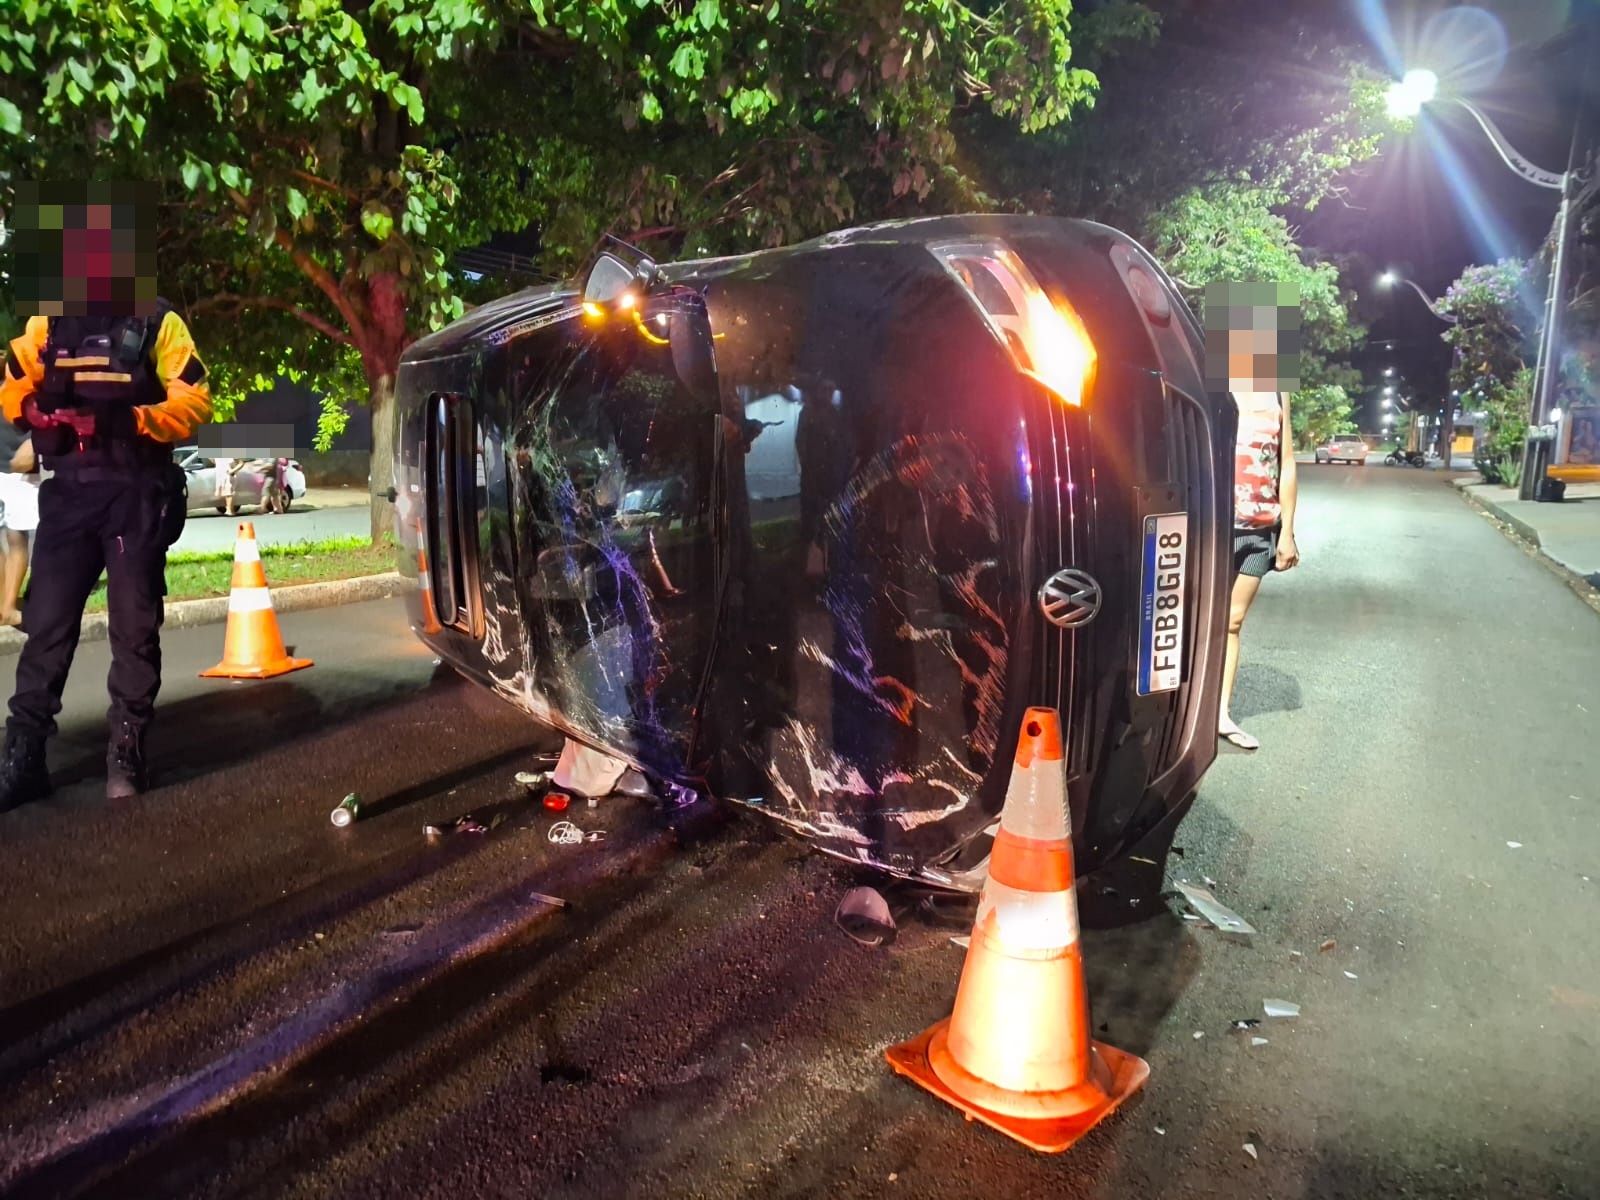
column 1069, row 599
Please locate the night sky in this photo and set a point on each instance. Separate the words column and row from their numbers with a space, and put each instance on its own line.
column 1413, row 209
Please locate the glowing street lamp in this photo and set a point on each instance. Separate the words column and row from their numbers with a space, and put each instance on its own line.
column 1405, row 99
column 1388, row 371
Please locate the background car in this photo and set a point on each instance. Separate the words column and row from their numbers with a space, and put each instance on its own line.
column 1344, row 448
column 248, row 484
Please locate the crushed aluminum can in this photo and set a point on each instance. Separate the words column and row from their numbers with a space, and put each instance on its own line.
column 347, row 812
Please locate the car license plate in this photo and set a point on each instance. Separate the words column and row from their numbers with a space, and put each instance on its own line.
column 1161, row 601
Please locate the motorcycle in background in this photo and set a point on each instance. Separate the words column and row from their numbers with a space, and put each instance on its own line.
column 1398, row 457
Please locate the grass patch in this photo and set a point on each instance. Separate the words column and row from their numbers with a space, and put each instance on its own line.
column 196, row 576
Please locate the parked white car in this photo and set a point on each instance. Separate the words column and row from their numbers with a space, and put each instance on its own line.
column 248, row 483
column 1344, row 448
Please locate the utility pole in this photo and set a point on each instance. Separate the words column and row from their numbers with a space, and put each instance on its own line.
column 1540, row 444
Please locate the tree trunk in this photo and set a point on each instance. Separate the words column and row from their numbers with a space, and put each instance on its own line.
column 1447, row 431
column 386, row 310
column 382, row 466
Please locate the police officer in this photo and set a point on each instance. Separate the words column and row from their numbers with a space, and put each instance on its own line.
column 105, row 398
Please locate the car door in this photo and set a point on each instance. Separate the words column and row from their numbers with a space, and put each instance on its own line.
column 620, row 601
column 201, row 476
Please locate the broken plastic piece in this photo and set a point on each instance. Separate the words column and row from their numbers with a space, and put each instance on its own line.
column 864, row 914
column 1219, row 914
column 1258, row 1041
column 1281, row 1008
column 963, row 941
column 1350, row 975
column 1515, row 845
column 1249, row 1148
column 1161, row 1131
column 1198, row 1034
column 1328, row 945
column 587, row 772
column 632, row 783
column 543, row 898
column 557, row 801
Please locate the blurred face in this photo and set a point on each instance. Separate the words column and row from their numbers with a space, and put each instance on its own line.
column 1252, row 337
column 84, row 249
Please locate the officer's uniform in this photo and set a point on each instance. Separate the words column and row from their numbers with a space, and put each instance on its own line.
column 114, row 504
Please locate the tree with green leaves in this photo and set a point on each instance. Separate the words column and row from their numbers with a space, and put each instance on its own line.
column 324, row 160
column 1494, row 307
column 1206, row 145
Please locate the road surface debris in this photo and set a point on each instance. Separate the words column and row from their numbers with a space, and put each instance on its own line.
column 1281, row 1008
column 864, row 915
column 565, row 833
column 1213, row 910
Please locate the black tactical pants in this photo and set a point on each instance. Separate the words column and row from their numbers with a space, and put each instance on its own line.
column 86, row 527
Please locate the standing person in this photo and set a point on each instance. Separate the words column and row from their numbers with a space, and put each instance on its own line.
column 223, row 471
column 19, row 516
column 1265, row 488
column 107, row 388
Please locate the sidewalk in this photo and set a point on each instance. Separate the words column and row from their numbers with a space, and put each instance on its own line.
column 334, row 497
column 1567, row 533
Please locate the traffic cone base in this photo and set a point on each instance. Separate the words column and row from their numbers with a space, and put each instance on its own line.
column 1117, row 1075
column 226, row 670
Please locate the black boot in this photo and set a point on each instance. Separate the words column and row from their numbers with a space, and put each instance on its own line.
column 23, row 774
column 125, row 770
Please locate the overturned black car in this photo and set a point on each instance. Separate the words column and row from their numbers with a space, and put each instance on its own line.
column 808, row 529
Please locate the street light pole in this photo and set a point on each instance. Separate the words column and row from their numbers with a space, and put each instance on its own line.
column 1546, row 369
column 1406, row 99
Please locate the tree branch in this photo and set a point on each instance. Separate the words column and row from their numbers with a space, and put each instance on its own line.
column 326, row 185
column 314, row 271
column 320, row 324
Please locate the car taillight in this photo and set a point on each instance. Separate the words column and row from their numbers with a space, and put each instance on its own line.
column 1043, row 334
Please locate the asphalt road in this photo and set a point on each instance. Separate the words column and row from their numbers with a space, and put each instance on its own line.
column 214, row 993
column 214, row 531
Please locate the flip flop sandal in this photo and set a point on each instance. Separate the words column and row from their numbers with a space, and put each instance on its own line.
column 1238, row 737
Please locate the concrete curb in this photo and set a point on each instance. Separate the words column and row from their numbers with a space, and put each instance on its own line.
column 297, row 597
column 1471, row 488
column 1521, row 531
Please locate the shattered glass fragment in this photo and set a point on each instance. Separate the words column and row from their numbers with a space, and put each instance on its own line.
column 1219, row 914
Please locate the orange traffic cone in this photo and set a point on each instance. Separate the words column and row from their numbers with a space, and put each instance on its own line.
column 253, row 647
column 430, row 615
column 1015, row 1052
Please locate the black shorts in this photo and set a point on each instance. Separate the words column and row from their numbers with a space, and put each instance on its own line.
column 1255, row 551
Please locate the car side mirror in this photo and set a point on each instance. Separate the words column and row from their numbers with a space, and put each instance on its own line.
column 616, row 272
